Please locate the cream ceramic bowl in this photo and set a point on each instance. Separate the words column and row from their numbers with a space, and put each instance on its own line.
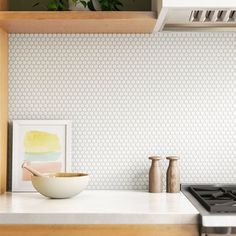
column 60, row 185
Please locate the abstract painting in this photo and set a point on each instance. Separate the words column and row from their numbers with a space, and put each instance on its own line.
column 43, row 145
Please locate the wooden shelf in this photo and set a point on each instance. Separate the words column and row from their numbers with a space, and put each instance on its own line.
column 77, row 22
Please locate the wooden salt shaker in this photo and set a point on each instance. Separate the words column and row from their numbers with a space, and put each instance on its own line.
column 173, row 175
column 155, row 175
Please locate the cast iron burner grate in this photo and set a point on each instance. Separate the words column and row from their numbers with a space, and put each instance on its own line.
column 216, row 199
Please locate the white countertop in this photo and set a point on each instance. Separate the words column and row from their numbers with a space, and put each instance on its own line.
column 98, row 207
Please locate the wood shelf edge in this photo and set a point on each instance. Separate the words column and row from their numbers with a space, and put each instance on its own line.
column 78, row 22
column 7, row 15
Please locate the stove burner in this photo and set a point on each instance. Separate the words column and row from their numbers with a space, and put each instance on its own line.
column 216, row 199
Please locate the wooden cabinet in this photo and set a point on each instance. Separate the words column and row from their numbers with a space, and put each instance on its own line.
column 3, row 102
column 4, row 5
column 99, row 230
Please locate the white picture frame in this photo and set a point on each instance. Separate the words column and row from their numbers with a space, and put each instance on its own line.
column 35, row 141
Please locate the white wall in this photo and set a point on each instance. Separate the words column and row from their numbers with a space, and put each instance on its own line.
column 131, row 96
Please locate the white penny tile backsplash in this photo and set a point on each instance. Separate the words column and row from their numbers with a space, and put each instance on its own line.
column 131, row 96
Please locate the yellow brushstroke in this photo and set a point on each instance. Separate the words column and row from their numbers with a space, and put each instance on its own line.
column 41, row 142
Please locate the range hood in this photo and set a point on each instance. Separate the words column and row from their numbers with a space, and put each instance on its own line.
column 195, row 15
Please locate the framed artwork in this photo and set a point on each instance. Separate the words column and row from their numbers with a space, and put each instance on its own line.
column 45, row 145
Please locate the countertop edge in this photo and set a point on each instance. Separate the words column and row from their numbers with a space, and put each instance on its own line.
column 91, row 218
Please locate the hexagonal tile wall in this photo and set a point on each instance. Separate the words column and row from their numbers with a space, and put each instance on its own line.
column 131, row 96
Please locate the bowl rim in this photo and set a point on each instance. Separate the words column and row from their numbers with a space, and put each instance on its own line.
column 65, row 175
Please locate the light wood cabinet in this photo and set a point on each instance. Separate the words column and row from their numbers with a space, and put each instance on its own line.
column 3, row 102
column 4, row 5
column 99, row 230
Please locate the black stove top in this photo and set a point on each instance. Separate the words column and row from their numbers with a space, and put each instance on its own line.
column 215, row 198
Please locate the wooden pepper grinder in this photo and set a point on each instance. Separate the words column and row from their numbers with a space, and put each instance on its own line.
column 155, row 175
column 173, row 175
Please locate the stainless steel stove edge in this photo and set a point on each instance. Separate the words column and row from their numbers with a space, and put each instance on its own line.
column 211, row 223
column 217, row 230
